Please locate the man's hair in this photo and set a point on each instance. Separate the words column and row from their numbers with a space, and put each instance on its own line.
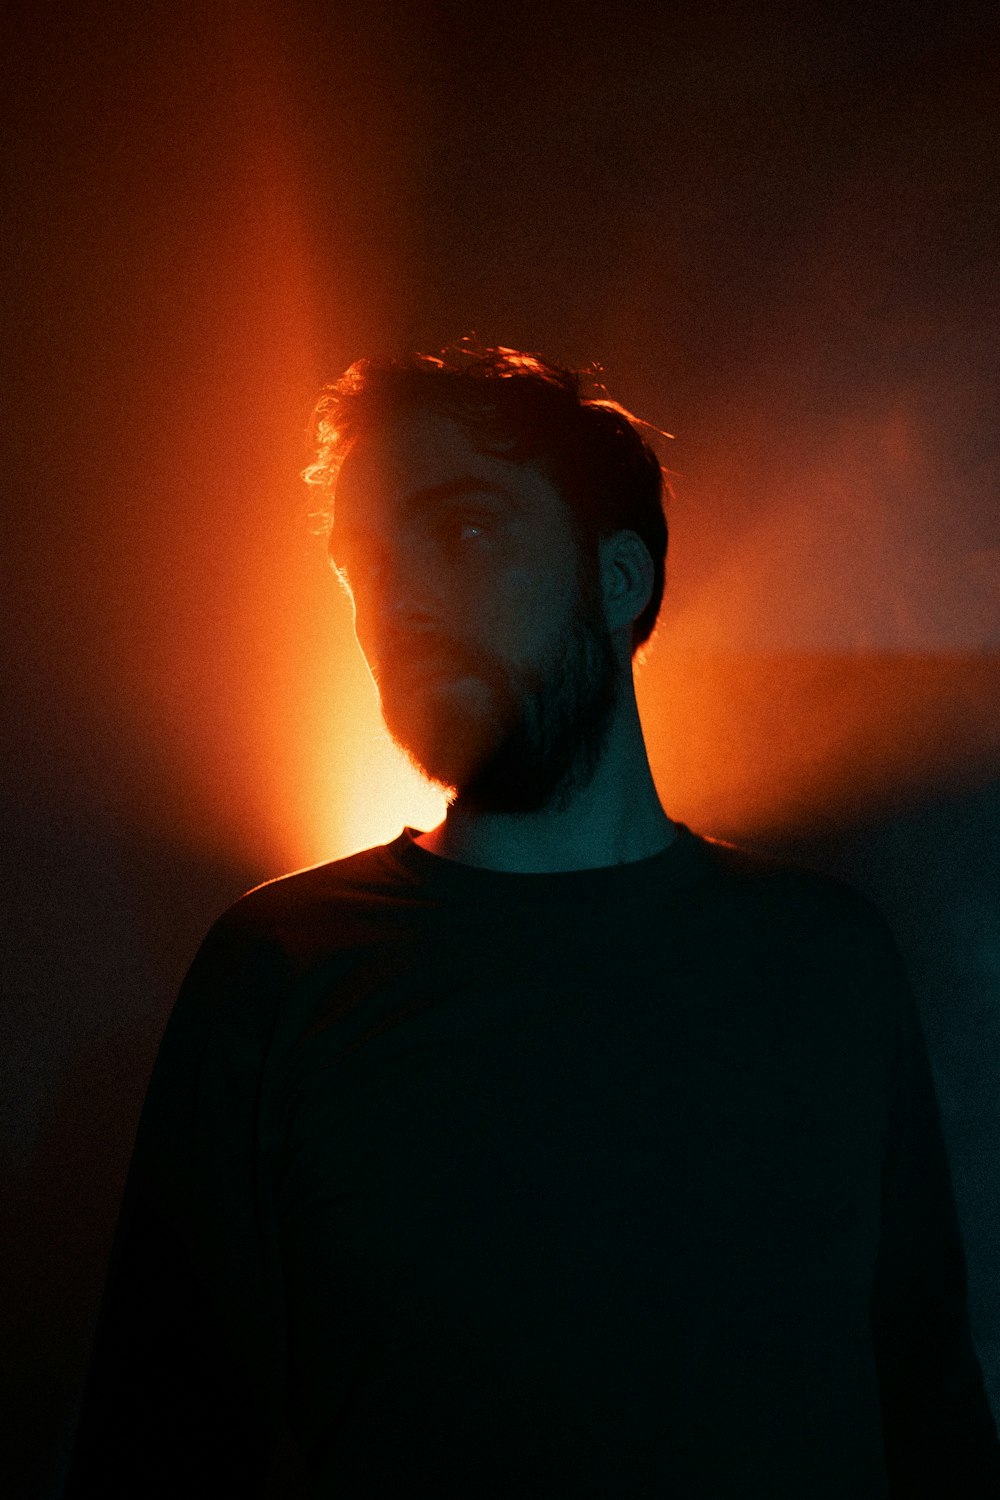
column 523, row 409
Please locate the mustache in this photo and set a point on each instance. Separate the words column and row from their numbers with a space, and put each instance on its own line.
column 429, row 650
column 425, row 649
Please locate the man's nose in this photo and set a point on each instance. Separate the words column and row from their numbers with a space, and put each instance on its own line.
column 407, row 604
column 399, row 610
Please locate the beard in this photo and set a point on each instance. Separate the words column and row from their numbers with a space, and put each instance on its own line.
column 502, row 739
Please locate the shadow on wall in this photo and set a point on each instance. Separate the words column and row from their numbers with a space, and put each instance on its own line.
column 105, row 920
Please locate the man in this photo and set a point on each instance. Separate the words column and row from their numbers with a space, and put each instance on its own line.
column 556, row 1151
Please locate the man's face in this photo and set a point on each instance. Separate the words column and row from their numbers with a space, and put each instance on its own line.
column 494, row 665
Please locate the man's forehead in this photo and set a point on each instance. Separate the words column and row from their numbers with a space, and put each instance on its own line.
column 414, row 449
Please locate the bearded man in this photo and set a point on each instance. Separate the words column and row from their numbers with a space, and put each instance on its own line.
column 558, row 1150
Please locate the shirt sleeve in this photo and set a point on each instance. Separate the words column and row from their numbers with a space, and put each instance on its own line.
column 176, row 1397
column 940, row 1435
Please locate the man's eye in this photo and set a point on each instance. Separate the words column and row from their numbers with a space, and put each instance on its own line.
column 467, row 528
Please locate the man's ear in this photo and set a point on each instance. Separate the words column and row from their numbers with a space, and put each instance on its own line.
column 626, row 578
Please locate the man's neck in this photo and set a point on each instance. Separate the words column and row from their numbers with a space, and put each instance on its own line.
column 615, row 819
column 528, row 857
column 539, row 845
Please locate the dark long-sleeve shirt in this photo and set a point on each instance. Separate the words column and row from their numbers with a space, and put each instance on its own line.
column 626, row 1181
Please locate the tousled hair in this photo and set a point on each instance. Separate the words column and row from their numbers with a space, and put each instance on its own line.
column 523, row 409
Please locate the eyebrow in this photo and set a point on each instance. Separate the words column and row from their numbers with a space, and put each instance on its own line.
column 465, row 484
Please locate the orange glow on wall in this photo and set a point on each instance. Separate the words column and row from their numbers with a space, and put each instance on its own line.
column 363, row 790
column 747, row 745
column 206, row 647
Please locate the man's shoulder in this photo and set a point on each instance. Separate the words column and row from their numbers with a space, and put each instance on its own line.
column 297, row 910
column 775, row 891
